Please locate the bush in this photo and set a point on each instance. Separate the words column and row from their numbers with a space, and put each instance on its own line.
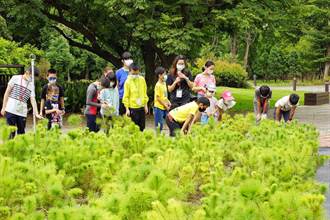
column 230, row 170
column 226, row 73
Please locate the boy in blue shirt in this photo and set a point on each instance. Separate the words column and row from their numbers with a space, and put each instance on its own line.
column 121, row 76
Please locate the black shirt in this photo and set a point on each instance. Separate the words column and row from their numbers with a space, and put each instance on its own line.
column 183, row 85
column 60, row 95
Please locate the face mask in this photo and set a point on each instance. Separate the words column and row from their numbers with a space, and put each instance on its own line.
column 165, row 78
column 55, row 97
column 180, row 67
column 210, row 72
column 52, row 80
column 112, row 84
column 135, row 76
column 29, row 78
column 99, row 87
column 128, row 62
column 201, row 109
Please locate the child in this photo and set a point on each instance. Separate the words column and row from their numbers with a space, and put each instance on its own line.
column 286, row 107
column 135, row 97
column 226, row 102
column 109, row 95
column 161, row 102
column 52, row 108
column 212, row 110
column 204, row 79
column 184, row 116
column 261, row 102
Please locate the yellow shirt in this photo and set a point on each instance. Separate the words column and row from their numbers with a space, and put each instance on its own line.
column 135, row 92
column 161, row 93
column 181, row 113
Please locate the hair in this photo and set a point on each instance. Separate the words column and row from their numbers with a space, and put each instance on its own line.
column 294, row 99
column 204, row 101
column 105, row 82
column 112, row 78
column 264, row 90
column 51, row 71
column 126, row 55
column 160, row 71
column 134, row 67
column 51, row 89
column 36, row 70
column 176, row 59
column 207, row 65
column 107, row 68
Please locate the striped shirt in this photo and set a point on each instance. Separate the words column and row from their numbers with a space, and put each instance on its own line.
column 20, row 93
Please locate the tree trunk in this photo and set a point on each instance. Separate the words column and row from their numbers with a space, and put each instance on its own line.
column 327, row 65
column 248, row 41
column 149, row 58
column 68, row 75
column 233, row 45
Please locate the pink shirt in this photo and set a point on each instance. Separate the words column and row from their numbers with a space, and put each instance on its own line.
column 203, row 80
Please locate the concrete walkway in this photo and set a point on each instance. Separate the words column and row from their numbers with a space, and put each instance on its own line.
column 323, row 176
column 320, row 88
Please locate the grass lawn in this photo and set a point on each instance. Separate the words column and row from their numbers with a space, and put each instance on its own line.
column 287, row 82
column 244, row 98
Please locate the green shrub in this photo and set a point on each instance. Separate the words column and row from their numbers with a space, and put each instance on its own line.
column 226, row 73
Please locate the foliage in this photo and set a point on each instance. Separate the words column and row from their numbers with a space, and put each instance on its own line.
column 226, row 73
column 230, row 170
column 14, row 53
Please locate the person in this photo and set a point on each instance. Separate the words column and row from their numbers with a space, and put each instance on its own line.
column 184, row 116
column 52, row 107
column 121, row 76
column 227, row 101
column 179, row 83
column 107, row 71
column 19, row 90
column 109, row 95
column 135, row 97
column 52, row 80
column 286, row 107
column 204, row 79
column 93, row 105
column 261, row 101
column 161, row 102
column 212, row 110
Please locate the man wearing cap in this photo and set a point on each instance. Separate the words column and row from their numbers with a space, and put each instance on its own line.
column 211, row 111
column 19, row 90
column 226, row 102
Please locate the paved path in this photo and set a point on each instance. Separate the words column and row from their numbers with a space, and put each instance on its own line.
column 323, row 175
column 320, row 88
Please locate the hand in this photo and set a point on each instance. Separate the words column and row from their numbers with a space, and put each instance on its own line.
column 39, row 116
column 263, row 116
column 103, row 105
column 203, row 89
column 58, row 111
column 3, row 112
column 128, row 113
column 182, row 76
column 168, row 106
column 177, row 80
column 258, row 117
column 146, row 109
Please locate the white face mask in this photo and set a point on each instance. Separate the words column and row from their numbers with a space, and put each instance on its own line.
column 128, row 62
column 210, row 72
column 180, row 67
column 99, row 87
column 135, row 76
column 165, row 78
column 112, row 84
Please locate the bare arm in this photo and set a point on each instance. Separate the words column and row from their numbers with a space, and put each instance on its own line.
column 220, row 114
column 278, row 113
column 34, row 105
column 61, row 103
column 292, row 112
column 42, row 106
column 5, row 99
column 172, row 87
column 187, row 123
column 195, row 119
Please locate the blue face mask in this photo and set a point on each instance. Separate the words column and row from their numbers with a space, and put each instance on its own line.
column 55, row 97
column 52, row 80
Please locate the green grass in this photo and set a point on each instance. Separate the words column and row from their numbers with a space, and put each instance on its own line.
column 287, row 82
column 244, row 98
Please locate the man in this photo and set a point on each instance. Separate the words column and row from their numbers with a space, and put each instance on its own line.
column 52, row 80
column 121, row 76
column 184, row 116
column 19, row 90
column 286, row 107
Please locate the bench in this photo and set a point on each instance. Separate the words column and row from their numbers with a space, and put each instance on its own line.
column 316, row 98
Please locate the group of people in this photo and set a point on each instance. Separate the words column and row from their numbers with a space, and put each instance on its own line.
column 125, row 93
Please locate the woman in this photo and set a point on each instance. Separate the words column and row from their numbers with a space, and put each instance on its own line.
column 205, row 79
column 179, row 82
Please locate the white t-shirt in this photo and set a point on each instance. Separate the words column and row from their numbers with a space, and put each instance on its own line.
column 284, row 103
column 21, row 92
column 225, row 107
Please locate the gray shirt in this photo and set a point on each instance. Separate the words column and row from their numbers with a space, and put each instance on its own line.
column 92, row 103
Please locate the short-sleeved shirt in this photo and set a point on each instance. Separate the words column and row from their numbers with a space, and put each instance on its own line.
column 224, row 106
column 121, row 76
column 284, row 103
column 161, row 93
column 22, row 91
column 211, row 109
column 182, row 85
column 203, row 80
column 257, row 95
column 60, row 94
column 53, row 117
column 181, row 113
